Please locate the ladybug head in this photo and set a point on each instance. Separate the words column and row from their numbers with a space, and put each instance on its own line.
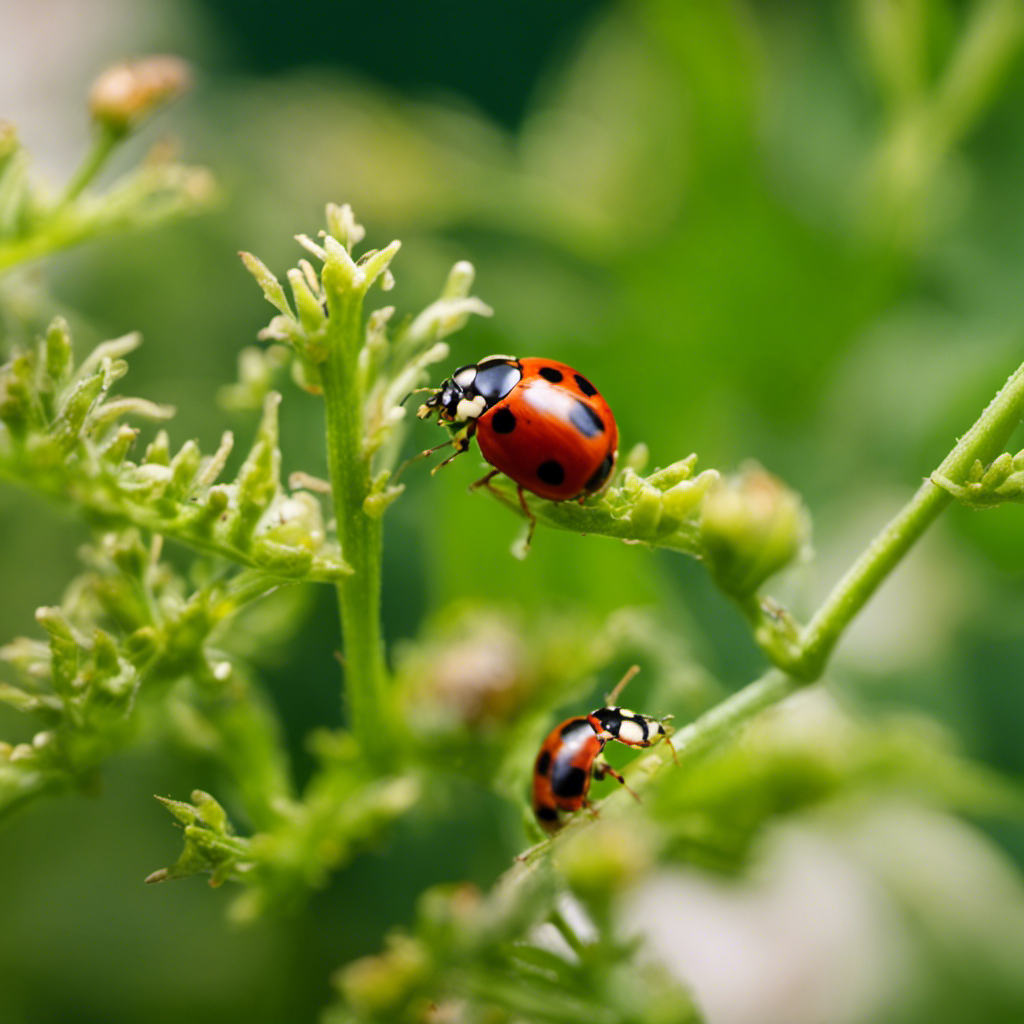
column 471, row 390
column 453, row 402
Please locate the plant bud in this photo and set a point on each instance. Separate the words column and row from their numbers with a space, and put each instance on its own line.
column 127, row 93
column 341, row 223
column 63, row 649
column 119, row 445
column 308, row 304
column 600, row 861
column 58, row 351
column 184, row 467
column 751, row 526
column 376, row 986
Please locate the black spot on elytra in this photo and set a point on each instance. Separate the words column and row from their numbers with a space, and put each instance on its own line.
column 551, row 472
column 547, row 813
column 570, row 783
column 584, row 385
column 600, row 475
column 543, row 762
column 503, row 421
column 551, row 374
column 585, row 420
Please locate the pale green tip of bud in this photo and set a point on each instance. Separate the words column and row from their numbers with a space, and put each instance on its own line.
column 751, row 526
column 460, row 280
column 342, row 224
column 127, row 93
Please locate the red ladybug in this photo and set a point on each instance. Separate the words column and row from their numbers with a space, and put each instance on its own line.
column 537, row 421
column 571, row 756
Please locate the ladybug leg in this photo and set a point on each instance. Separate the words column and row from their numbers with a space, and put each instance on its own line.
column 484, row 481
column 602, row 768
column 529, row 515
column 461, row 443
column 668, row 739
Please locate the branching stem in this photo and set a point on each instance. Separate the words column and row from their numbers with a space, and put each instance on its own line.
column 106, row 141
column 983, row 442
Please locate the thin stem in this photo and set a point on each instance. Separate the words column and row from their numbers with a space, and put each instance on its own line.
column 982, row 442
column 59, row 228
column 694, row 739
column 105, row 143
column 557, row 919
column 360, row 535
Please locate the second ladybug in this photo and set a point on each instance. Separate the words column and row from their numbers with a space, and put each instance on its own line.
column 539, row 422
column 572, row 755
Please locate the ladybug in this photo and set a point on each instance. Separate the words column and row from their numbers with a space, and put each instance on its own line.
column 539, row 422
column 571, row 756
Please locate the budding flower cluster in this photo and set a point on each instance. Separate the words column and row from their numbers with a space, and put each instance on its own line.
column 390, row 362
column 988, row 486
column 127, row 93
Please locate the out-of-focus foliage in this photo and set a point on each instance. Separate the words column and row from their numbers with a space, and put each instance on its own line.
column 781, row 231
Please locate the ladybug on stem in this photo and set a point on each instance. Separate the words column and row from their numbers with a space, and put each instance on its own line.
column 572, row 755
column 537, row 421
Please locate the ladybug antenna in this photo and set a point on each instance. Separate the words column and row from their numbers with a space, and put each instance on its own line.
column 621, row 685
column 415, row 391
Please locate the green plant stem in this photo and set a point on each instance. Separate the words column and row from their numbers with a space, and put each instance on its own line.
column 57, row 230
column 360, row 535
column 106, row 141
column 805, row 661
column 983, row 442
column 700, row 735
column 57, row 234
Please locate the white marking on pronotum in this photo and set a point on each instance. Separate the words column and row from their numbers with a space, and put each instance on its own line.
column 632, row 731
column 470, row 409
column 465, row 376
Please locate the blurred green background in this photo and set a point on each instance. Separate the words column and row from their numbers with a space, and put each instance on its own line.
column 713, row 210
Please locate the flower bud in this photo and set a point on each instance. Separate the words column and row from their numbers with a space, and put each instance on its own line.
column 751, row 526
column 76, row 410
column 57, row 351
column 158, row 451
column 341, row 223
column 16, row 405
column 600, row 861
column 127, row 93
column 377, row 986
column 184, row 467
column 63, row 649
